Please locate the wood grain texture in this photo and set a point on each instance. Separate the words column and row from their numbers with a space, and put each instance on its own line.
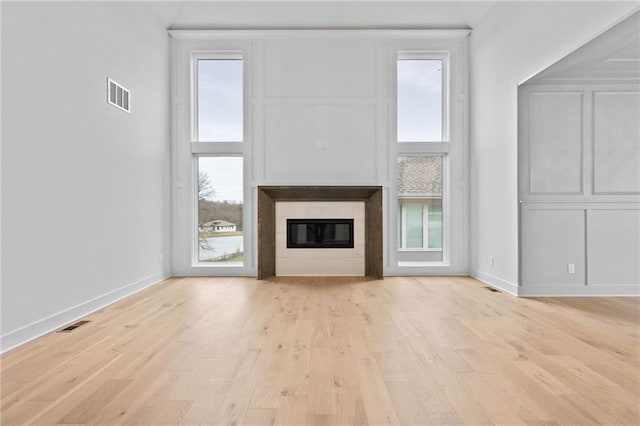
column 373, row 235
column 266, row 235
column 334, row 351
column 320, row 193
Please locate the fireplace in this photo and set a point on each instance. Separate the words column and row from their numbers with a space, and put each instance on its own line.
column 319, row 233
column 367, row 225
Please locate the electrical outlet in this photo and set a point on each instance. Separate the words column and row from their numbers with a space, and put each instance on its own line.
column 322, row 144
column 492, row 261
column 160, row 258
column 571, row 268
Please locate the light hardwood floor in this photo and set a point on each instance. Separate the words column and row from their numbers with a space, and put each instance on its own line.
column 341, row 351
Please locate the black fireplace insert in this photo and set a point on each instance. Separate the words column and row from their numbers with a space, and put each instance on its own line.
column 319, row 233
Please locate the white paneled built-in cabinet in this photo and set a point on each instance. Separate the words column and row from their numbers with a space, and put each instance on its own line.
column 616, row 148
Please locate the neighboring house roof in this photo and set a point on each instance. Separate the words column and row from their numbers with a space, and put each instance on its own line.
column 420, row 176
column 218, row 222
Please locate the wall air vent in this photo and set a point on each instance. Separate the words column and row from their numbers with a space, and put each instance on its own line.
column 118, row 96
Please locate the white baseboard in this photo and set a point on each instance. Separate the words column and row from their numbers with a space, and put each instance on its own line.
column 496, row 282
column 424, row 272
column 46, row 325
column 580, row 291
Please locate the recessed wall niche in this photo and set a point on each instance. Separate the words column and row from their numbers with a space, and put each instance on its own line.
column 579, row 187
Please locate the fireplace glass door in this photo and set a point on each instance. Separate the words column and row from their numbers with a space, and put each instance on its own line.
column 319, row 233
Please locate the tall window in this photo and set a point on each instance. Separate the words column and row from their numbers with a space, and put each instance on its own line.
column 420, row 99
column 419, row 208
column 218, row 117
column 420, row 225
column 219, row 99
column 421, row 130
column 220, row 210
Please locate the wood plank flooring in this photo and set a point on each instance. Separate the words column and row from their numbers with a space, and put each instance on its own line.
column 333, row 351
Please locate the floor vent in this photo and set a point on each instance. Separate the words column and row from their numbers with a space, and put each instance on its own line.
column 492, row 289
column 72, row 327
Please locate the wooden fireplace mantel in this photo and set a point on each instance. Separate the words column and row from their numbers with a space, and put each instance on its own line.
column 269, row 195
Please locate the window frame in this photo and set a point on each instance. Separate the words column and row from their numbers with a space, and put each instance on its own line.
column 222, row 54
column 452, row 149
column 424, row 148
column 186, row 150
column 418, row 267
column 427, row 55
column 426, row 209
column 195, row 248
column 218, row 149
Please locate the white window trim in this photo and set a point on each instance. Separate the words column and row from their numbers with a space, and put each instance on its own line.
column 432, row 55
column 215, row 149
column 212, row 55
column 186, row 150
column 195, row 249
column 440, row 148
column 455, row 174
column 446, row 219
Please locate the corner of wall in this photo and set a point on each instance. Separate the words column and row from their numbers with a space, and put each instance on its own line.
column 495, row 282
column 46, row 325
column 94, row 164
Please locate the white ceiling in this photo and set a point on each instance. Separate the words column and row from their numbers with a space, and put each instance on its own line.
column 184, row 14
column 613, row 56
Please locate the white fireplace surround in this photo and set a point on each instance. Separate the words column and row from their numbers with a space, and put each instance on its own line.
column 326, row 261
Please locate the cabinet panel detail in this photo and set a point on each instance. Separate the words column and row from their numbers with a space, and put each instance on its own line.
column 616, row 142
column 309, row 68
column 613, row 247
column 553, row 240
column 555, row 142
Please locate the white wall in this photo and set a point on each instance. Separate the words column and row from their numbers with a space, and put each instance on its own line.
column 514, row 41
column 320, row 90
column 320, row 110
column 83, row 183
